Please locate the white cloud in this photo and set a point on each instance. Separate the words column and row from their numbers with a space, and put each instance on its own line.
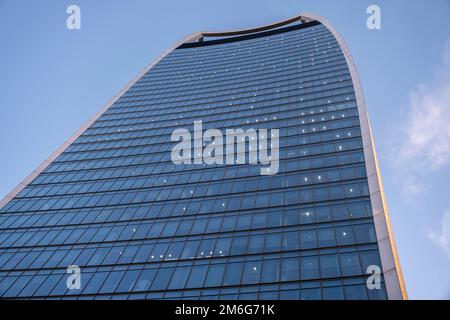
column 441, row 238
column 427, row 143
column 422, row 144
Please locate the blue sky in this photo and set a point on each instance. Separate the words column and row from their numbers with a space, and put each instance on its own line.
column 53, row 79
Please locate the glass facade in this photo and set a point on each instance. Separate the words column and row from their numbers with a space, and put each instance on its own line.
column 140, row 226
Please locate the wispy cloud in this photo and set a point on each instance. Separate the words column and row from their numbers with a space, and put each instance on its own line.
column 441, row 238
column 428, row 129
column 422, row 143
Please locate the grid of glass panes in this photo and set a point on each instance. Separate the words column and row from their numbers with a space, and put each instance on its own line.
column 141, row 227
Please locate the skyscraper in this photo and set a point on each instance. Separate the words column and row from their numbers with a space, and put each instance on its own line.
column 115, row 210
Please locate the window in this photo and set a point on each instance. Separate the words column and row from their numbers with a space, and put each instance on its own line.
column 270, row 271
column 344, row 235
column 143, row 253
column 350, row 264
column 333, row 293
column 290, row 269
column 197, row 276
column 326, row 237
column 356, row 292
column 310, row 294
column 214, row 276
column 222, row 246
column 179, row 278
column 329, row 266
column 369, row 258
column 233, row 274
column 190, row 250
column 128, row 281
column 111, row 282
column 365, row 233
column 273, row 242
column 309, row 268
column 145, row 279
column 239, row 246
column 94, row 285
column 308, row 239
